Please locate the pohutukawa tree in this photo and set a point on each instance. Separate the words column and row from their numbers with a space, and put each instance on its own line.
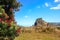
column 7, row 21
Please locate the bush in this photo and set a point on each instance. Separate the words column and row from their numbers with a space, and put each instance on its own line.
column 58, row 28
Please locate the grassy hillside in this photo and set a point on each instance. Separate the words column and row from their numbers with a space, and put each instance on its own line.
column 38, row 36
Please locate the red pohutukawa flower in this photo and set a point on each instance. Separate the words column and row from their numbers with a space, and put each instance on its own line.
column 6, row 20
column 6, row 17
column 0, row 19
column 11, row 9
column 18, row 30
column 10, row 20
column 11, row 17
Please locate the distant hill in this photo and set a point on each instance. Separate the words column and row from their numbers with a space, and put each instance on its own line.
column 55, row 23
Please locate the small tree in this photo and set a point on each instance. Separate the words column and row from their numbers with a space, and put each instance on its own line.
column 7, row 22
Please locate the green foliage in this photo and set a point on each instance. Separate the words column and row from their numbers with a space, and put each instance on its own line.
column 7, row 23
column 12, row 3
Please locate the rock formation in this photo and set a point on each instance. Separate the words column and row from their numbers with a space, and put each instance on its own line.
column 43, row 26
column 40, row 22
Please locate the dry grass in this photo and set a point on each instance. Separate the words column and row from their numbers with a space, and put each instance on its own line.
column 38, row 36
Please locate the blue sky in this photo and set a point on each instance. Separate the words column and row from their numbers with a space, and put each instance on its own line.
column 49, row 10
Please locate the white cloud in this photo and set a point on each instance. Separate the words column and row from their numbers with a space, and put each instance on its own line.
column 46, row 4
column 56, row 0
column 38, row 7
column 56, row 7
column 26, row 16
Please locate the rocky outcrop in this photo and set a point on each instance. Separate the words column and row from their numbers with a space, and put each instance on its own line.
column 43, row 26
column 40, row 22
